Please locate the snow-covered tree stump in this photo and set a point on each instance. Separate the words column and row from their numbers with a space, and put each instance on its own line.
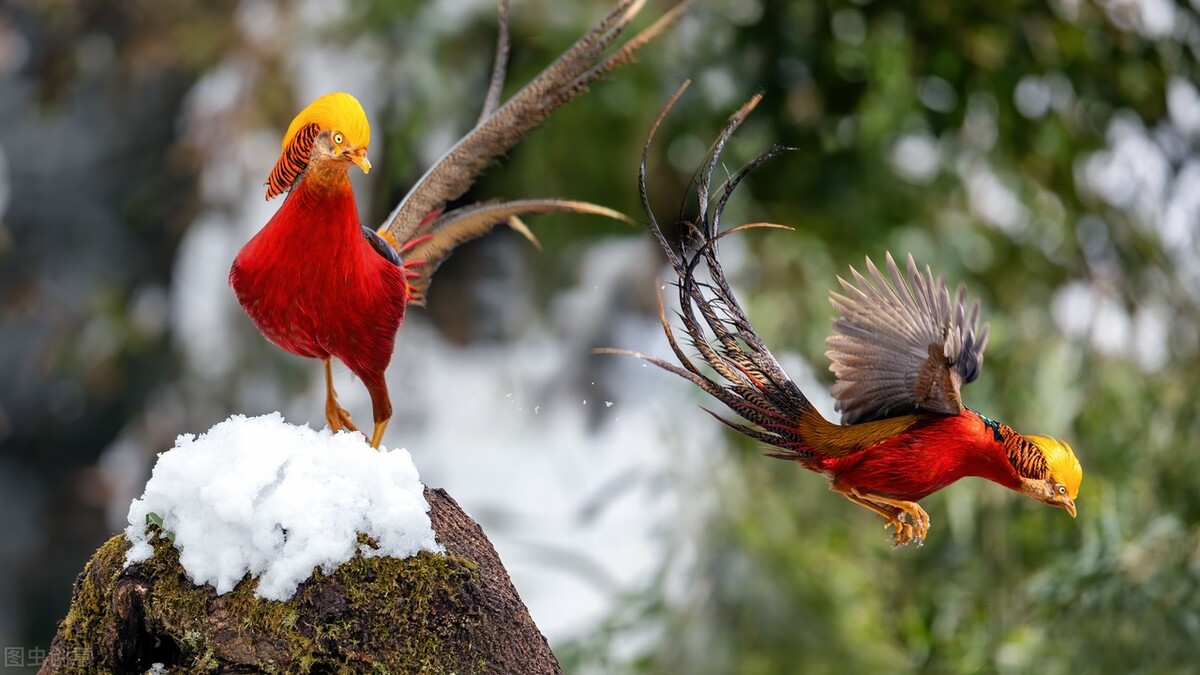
column 452, row 612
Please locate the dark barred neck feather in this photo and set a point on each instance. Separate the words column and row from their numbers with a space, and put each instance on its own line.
column 293, row 161
column 1025, row 457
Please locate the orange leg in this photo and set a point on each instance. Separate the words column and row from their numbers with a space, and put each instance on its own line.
column 894, row 512
column 381, row 406
column 377, row 435
column 335, row 414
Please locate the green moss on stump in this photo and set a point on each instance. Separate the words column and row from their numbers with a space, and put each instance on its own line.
column 431, row 613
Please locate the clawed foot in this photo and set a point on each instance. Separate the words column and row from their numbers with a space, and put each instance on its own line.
column 907, row 532
column 338, row 417
column 909, row 519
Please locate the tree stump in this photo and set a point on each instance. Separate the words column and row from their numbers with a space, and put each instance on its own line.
column 455, row 612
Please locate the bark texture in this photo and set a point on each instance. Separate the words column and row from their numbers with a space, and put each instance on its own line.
column 456, row 612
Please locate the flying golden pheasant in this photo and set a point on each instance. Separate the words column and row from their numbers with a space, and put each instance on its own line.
column 902, row 347
column 318, row 284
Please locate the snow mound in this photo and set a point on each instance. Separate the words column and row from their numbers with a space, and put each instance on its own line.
column 276, row 500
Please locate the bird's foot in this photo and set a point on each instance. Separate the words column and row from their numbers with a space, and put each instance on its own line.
column 338, row 417
column 908, row 532
column 909, row 519
column 905, row 533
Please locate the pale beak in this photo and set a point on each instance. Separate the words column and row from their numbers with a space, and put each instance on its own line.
column 1069, row 505
column 360, row 158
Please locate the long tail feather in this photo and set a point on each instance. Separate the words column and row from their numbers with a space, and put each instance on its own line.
column 517, row 225
column 498, row 132
column 445, row 233
column 747, row 377
column 499, row 65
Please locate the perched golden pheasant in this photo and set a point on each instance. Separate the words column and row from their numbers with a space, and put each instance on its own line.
column 901, row 349
column 318, row 284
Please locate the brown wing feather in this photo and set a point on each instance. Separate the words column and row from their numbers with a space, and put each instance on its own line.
column 900, row 345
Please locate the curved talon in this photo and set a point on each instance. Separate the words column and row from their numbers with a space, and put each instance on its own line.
column 920, row 520
column 903, row 535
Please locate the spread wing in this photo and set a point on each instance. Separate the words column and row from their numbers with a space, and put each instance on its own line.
column 902, row 346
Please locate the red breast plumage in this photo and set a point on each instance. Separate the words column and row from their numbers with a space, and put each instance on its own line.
column 318, row 284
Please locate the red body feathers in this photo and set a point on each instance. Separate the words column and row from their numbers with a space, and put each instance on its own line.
column 315, row 287
column 935, row 452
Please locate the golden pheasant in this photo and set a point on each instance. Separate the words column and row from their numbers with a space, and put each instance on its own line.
column 902, row 347
column 318, row 284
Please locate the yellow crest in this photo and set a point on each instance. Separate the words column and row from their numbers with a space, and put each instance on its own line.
column 332, row 112
column 338, row 111
column 1060, row 459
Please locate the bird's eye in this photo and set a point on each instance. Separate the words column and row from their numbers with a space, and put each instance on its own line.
column 337, row 137
column 1062, row 489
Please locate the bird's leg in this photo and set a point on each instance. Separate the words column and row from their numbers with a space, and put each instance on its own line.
column 894, row 512
column 920, row 519
column 381, row 406
column 335, row 414
column 893, row 517
column 377, row 435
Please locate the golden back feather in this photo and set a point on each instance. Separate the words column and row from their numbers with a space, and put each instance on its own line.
column 834, row 440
